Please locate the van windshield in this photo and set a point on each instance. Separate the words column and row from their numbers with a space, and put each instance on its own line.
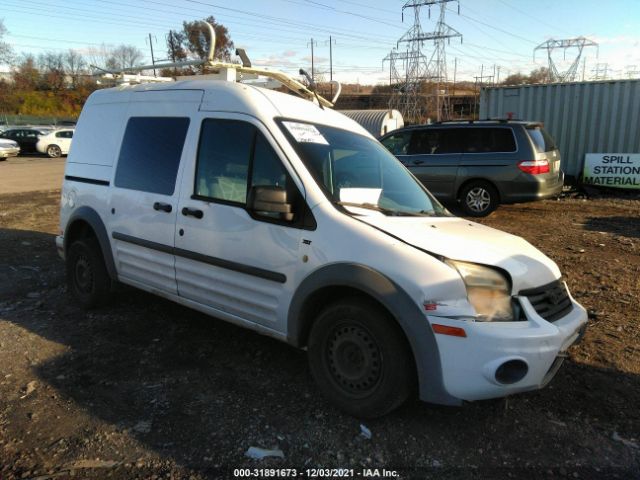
column 357, row 171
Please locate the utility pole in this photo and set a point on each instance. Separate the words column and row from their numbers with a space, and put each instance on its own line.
column 312, row 64
column 153, row 61
column 331, row 43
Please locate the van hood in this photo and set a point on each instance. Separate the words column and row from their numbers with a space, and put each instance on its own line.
column 460, row 239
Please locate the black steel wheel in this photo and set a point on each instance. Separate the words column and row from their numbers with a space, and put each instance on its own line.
column 360, row 359
column 87, row 276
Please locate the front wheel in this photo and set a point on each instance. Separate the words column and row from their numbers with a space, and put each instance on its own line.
column 54, row 151
column 479, row 199
column 360, row 359
column 87, row 276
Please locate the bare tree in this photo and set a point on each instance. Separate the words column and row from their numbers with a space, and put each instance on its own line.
column 26, row 76
column 516, row 79
column 51, row 66
column 124, row 56
column 96, row 57
column 74, row 65
column 6, row 52
column 539, row 75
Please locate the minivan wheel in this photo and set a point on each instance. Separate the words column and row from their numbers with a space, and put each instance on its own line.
column 87, row 276
column 54, row 151
column 479, row 199
column 360, row 359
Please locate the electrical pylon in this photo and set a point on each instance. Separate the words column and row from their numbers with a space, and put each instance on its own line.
column 408, row 81
column 550, row 45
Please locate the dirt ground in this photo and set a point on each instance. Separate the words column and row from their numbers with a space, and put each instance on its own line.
column 147, row 389
column 29, row 174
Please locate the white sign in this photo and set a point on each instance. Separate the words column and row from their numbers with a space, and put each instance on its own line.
column 618, row 170
column 305, row 133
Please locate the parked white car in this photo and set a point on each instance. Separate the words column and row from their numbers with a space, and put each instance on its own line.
column 267, row 211
column 8, row 148
column 55, row 143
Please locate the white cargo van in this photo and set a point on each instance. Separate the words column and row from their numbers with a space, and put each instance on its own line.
column 268, row 211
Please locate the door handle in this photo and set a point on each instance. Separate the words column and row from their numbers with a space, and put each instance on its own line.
column 165, row 207
column 417, row 162
column 192, row 212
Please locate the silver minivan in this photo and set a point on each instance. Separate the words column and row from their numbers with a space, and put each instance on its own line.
column 481, row 164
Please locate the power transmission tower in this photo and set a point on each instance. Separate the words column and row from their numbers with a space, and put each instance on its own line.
column 481, row 81
column 601, row 71
column 631, row 71
column 416, row 69
column 550, row 45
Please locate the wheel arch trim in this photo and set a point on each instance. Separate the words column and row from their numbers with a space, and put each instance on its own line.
column 92, row 218
column 404, row 310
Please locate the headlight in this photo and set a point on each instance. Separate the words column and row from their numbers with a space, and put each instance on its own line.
column 488, row 291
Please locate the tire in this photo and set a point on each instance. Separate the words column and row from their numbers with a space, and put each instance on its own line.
column 87, row 276
column 360, row 359
column 478, row 199
column 54, row 151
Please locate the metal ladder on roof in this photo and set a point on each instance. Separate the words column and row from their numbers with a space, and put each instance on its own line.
column 225, row 71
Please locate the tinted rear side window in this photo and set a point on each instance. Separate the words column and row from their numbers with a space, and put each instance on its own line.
column 434, row 141
column 150, row 154
column 490, row 140
column 541, row 139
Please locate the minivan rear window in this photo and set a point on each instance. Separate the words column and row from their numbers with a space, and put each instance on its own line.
column 541, row 139
column 150, row 154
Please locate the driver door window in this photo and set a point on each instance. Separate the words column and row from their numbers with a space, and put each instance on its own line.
column 234, row 157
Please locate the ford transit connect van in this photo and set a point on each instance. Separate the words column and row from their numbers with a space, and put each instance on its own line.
column 481, row 164
column 270, row 212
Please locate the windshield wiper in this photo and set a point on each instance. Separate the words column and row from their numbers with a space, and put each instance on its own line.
column 378, row 208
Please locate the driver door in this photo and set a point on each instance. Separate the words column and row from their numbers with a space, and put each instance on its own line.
column 227, row 256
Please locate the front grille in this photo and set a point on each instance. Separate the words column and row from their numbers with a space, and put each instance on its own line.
column 550, row 301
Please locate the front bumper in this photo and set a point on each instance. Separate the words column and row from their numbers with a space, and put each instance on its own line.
column 469, row 364
column 9, row 152
column 60, row 246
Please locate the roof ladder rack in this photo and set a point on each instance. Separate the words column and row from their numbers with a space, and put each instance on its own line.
column 223, row 71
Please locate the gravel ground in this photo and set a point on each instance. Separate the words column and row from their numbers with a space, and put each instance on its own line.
column 147, row 389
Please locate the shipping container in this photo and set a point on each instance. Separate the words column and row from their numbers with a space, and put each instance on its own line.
column 376, row 122
column 583, row 117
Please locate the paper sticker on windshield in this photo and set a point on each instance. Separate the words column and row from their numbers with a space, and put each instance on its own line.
column 360, row 195
column 305, row 133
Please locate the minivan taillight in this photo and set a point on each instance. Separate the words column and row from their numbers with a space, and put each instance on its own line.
column 534, row 167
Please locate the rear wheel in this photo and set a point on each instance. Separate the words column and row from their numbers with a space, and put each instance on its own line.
column 360, row 359
column 479, row 199
column 87, row 276
column 54, row 151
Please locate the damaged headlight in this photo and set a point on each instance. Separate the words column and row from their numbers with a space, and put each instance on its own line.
column 488, row 291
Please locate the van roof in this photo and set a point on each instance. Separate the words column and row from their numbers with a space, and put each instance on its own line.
column 220, row 95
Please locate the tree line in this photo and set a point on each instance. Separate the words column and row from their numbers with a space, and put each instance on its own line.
column 58, row 83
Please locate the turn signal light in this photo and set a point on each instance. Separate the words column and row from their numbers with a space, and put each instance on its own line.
column 534, row 167
column 446, row 330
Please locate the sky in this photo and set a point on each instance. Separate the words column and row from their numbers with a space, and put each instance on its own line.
column 497, row 35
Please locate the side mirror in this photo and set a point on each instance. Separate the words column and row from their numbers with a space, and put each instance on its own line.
column 270, row 201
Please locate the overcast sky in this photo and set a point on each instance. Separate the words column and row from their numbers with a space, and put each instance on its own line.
column 278, row 32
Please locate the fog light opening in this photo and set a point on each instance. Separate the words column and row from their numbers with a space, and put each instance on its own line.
column 511, row 371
